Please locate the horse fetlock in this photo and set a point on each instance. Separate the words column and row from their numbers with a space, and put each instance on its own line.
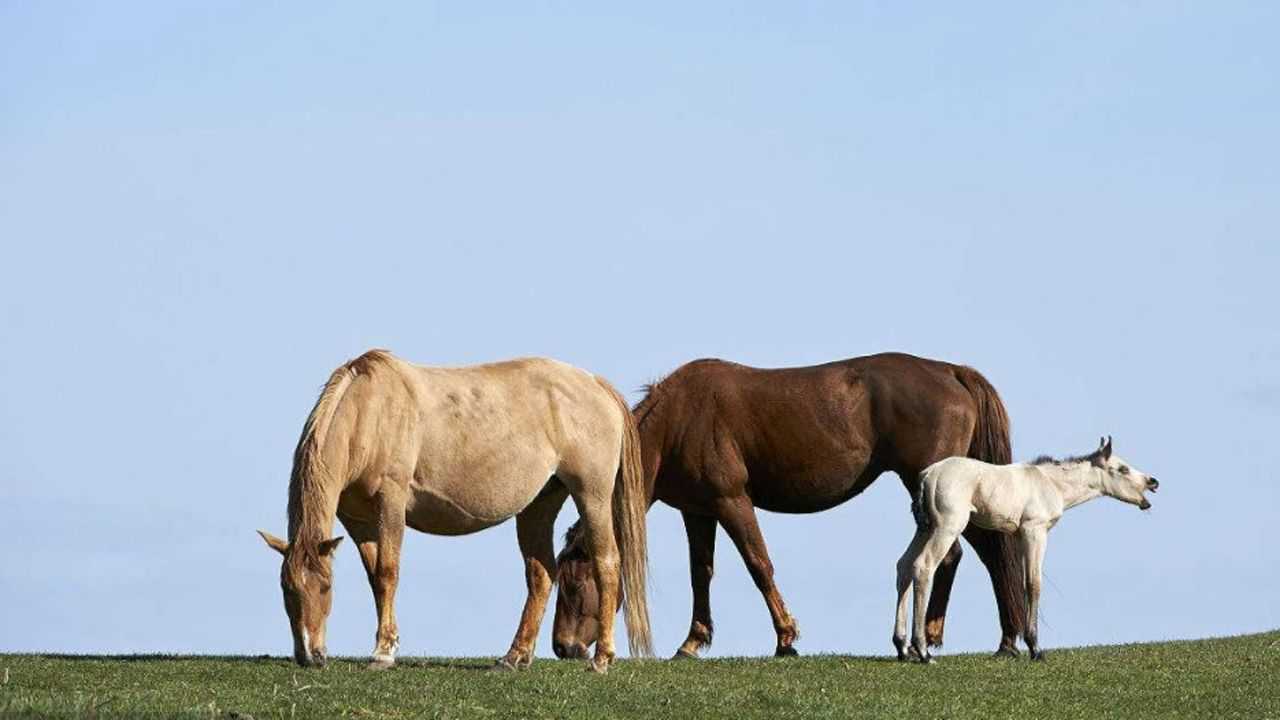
column 600, row 663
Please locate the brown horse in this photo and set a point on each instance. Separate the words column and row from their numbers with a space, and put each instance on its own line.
column 451, row 451
column 719, row 439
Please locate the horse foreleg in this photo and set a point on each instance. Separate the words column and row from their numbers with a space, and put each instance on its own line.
column 378, row 542
column 701, row 532
column 535, row 528
column 1033, row 541
column 739, row 520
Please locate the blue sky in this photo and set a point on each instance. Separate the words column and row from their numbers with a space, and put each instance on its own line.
column 204, row 209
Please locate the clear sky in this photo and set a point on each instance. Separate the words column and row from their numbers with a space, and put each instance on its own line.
column 205, row 208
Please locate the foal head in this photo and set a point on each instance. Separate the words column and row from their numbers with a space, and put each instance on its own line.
column 1121, row 480
column 306, row 579
column 576, row 624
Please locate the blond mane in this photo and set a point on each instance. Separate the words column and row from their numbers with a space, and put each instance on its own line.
column 306, row 498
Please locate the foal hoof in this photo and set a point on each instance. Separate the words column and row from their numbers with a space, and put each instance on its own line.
column 785, row 651
column 683, row 654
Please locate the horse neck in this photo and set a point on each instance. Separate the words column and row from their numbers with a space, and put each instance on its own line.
column 1077, row 483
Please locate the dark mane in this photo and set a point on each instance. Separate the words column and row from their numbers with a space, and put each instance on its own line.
column 644, row 409
column 1069, row 460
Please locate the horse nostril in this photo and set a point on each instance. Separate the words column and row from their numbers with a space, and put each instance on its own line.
column 1153, row 483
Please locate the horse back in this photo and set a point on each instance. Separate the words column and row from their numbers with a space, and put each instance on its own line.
column 796, row 439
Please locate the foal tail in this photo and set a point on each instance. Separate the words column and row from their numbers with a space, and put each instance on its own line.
column 990, row 443
column 630, row 505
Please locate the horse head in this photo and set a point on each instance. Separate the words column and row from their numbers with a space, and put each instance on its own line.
column 306, row 580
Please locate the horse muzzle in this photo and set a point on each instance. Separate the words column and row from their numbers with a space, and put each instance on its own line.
column 569, row 651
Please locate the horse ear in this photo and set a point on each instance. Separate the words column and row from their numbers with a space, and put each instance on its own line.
column 328, row 546
column 274, row 542
column 1106, row 449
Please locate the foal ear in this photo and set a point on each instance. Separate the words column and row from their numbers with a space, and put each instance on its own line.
column 1106, row 449
column 328, row 546
column 274, row 542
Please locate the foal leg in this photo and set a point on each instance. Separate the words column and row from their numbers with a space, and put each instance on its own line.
column 905, row 564
column 535, row 528
column 934, row 549
column 739, row 520
column 1033, row 541
column 701, row 531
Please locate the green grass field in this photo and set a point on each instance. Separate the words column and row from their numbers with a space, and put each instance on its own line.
column 1221, row 678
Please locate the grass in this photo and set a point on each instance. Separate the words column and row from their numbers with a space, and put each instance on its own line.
column 1220, row 678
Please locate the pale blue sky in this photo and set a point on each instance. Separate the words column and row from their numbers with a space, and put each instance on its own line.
column 204, row 209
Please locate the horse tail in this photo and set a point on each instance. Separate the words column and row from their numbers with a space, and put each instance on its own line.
column 630, row 505
column 309, row 479
column 990, row 443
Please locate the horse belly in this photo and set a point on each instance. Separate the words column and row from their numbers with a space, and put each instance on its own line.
column 469, row 502
column 804, row 495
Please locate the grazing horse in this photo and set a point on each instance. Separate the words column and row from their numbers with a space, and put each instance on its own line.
column 720, row 439
column 1026, row 499
column 451, row 451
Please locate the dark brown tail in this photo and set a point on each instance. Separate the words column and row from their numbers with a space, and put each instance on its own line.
column 997, row 551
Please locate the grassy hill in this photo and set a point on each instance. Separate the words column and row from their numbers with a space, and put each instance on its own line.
column 1220, row 678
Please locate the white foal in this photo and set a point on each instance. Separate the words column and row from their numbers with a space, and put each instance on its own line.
column 1024, row 498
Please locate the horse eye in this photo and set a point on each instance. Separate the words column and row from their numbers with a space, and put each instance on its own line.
column 1124, row 469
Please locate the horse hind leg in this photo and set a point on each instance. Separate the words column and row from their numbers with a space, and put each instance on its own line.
column 701, row 532
column 595, row 509
column 535, row 530
column 738, row 517
column 943, row 578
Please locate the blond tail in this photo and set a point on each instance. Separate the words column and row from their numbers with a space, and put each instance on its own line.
column 630, row 505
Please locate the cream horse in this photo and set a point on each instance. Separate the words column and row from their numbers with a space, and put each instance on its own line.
column 1027, row 499
column 451, row 451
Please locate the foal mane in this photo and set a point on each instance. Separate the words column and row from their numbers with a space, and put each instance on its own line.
column 1069, row 460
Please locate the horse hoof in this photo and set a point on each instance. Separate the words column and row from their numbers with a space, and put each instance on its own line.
column 786, row 651
column 1037, row 656
column 502, row 665
column 599, row 667
column 381, row 663
column 1007, row 652
column 683, row 654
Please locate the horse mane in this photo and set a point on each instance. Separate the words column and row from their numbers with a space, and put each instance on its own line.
column 307, row 494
